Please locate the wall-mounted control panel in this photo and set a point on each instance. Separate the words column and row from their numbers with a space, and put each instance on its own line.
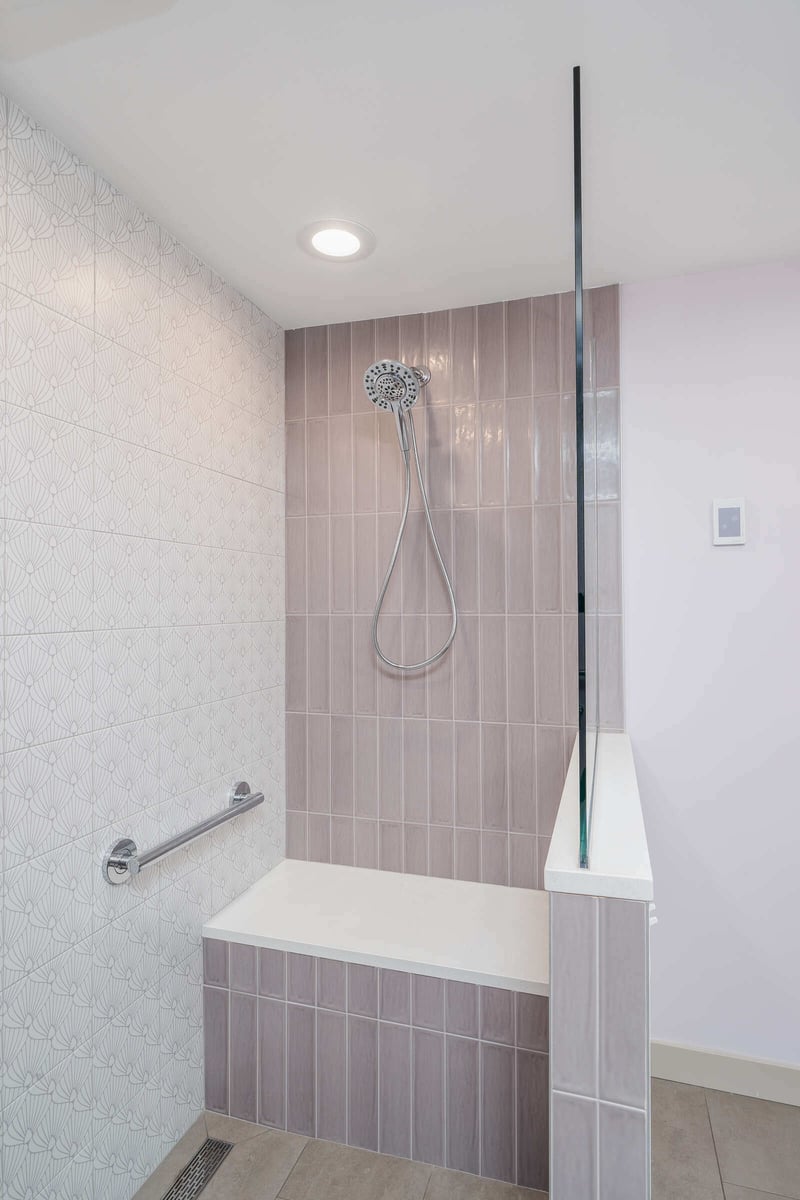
column 728, row 522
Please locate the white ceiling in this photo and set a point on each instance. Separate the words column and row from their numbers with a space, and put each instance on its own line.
column 443, row 125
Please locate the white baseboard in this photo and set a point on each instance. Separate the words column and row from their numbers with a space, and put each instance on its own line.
column 757, row 1077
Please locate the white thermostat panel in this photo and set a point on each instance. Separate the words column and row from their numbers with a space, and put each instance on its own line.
column 729, row 522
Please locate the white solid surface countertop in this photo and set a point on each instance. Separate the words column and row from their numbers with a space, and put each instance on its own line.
column 473, row 932
column 619, row 860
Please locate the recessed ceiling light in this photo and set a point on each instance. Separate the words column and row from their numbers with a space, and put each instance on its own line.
column 338, row 241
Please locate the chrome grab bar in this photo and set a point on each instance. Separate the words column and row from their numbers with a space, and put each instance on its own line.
column 123, row 859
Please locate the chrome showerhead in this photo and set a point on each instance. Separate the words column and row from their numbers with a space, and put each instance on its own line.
column 392, row 385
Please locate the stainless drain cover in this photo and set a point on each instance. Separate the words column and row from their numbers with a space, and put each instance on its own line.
column 199, row 1169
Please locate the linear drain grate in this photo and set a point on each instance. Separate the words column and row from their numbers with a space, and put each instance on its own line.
column 199, row 1169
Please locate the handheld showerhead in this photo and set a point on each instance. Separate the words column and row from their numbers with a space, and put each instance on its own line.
column 392, row 385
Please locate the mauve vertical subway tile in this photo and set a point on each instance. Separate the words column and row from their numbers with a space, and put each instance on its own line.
column 573, row 992
column 300, row 1070
column 363, row 1082
column 318, row 567
column 545, row 345
column 428, row 1097
column 569, row 554
column 341, row 534
column 387, row 536
column 463, row 354
column 366, row 767
column 342, row 841
column 319, row 763
column 414, row 564
column 317, row 371
column 340, row 400
column 546, row 450
column 519, row 349
column 571, row 668
column 532, row 1021
column 497, row 1112
column 549, row 776
column 611, row 713
column 533, row 1120
column 365, row 668
column 365, row 457
column 318, row 628
column 522, row 778
column 427, row 1002
column 296, row 835
column 519, row 453
column 387, row 337
column 461, row 1008
column 243, row 1039
column 342, row 734
column 215, row 1043
column 215, row 962
column 332, row 984
column 463, row 1148
column 494, row 690
column 332, row 1076
column 341, row 458
column 465, row 560
column 465, row 456
column 523, row 860
column 395, row 996
column 367, row 852
column 415, row 649
column 494, row 777
column 440, row 750
column 390, row 778
column 440, row 675
column 395, row 1090
column 415, row 849
column 566, row 337
column 622, row 1153
column 301, row 974
column 547, row 556
column 519, row 557
column 568, row 449
column 362, row 353
column 604, row 303
column 521, row 706
column 390, row 846
column 362, row 990
column 390, row 468
column 341, row 695
column 549, row 670
column 296, row 775
column 542, row 850
column 492, row 530
column 441, row 852
column 243, row 968
column 317, row 482
column 491, row 351
column 296, row 630
column 494, row 858
column 296, row 469
column 272, row 973
column 468, row 773
column 622, row 1019
column 437, row 599
column 295, row 351
column 609, row 558
column 364, row 563
column 438, row 423
column 468, row 854
column 415, row 770
column 319, row 837
column 295, row 564
column 412, row 339
column 272, row 1063
column 573, row 1165
column 608, row 446
column 437, row 332
column 497, row 1015
column 492, row 457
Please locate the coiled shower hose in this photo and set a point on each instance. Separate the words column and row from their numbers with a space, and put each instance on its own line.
column 402, row 418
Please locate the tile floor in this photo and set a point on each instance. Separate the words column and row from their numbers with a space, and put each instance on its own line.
column 706, row 1146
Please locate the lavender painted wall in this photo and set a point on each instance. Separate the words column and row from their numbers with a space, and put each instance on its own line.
column 457, row 771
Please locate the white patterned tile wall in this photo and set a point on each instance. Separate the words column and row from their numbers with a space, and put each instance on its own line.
column 142, row 570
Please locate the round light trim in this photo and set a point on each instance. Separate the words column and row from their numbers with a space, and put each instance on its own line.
column 337, row 241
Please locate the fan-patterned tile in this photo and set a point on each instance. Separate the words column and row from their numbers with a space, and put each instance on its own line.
column 49, row 363
column 48, row 578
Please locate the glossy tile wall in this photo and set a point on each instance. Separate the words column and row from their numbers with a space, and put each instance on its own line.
column 142, row 671
column 423, row 1068
column 456, row 771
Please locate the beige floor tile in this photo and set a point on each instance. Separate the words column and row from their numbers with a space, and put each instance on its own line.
column 171, row 1166
column 257, row 1168
column 684, row 1159
column 758, row 1143
column 229, row 1129
column 454, row 1185
column 734, row 1192
column 327, row 1171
